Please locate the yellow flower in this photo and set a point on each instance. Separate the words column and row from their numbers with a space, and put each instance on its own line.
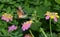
column 52, row 15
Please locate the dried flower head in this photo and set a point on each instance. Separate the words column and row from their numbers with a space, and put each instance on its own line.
column 20, row 13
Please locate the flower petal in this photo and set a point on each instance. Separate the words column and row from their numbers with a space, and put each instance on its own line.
column 55, row 19
column 11, row 28
column 26, row 25
column 47, row 17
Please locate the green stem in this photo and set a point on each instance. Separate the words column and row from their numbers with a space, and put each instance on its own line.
column 31, row 33
column 43, row 32
column 50, row 29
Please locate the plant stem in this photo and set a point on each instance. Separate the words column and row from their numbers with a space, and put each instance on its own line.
column 31, row 33
column 50, row 29
column 43, row 32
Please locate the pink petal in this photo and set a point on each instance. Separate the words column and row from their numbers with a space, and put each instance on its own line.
column 7, row 20
column 47, row 17
column 11, row 28
column 26, row 26
column 55, row 19
column 28, row 35
column 14, row 27
column 23, row 29
column 3, row 18
column 10, row 19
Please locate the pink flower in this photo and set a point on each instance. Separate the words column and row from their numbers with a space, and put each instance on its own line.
column 11, row 28
column 7, row 17
column 26, row 25
column 28, row 35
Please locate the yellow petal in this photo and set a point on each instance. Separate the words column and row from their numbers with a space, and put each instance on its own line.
column 48, row 13
column 57, row 16
column 52, row 17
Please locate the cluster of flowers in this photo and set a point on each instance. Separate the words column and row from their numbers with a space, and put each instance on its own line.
column 26, row 25
column 52, row 15
column 8, row 17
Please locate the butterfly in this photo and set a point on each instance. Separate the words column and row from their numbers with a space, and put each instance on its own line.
column 20, row 13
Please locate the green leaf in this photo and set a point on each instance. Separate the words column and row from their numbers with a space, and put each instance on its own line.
column 14, row 22
column 12, row 2
column 45, row 3
column 35, row 26
column 3, row 24
column 5, row 32
column 58, row 28
column 1, row 6
column 57, row 1
column 16, row 4
column 8, row 9
column 41, row 11
column 59, row 20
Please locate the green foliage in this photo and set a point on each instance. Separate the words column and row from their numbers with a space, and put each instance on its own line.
column 36, row 26
column 57, row 1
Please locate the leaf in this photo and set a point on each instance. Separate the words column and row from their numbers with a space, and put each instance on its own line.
column 17, row 5
column 35, row 26
column 45, row 3
column 41, row 11
column 8, row 9
column 59, row 20
column 20, row 0
column 56, row 7
column 3, row 24
column 4, row 31
column 58, row 28
column 13, row 2
column 57, row 1
column 14, row 22
column 1, row 6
